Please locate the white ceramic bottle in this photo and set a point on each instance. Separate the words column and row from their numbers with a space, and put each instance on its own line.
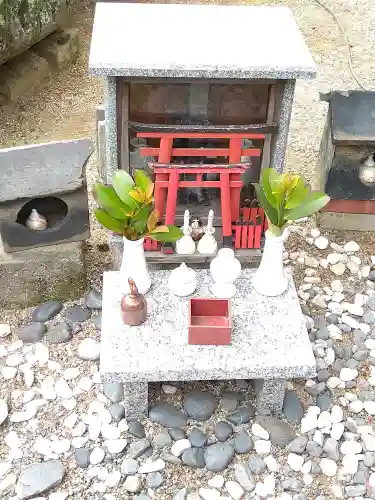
column 185, row 245
column 35, row 221
column 182, row 281
column 225, row 269
column 207, row 244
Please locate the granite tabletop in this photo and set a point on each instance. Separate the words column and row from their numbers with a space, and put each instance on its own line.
column 269, row 337
column 198, row 41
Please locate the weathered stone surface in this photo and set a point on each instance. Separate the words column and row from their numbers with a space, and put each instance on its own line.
column 46, row 311
column 218, row 456
column 199, row 405
column 59, row 333
column 59, row 49
column 167, row 415
column 40, row 477
column 194, row 457
column 242, row 415
column 292, row 408
column 32, row 333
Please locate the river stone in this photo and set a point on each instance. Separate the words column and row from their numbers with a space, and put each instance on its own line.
column 223, row 431
column 38, row 478
column 59, row 334
column 94, row 300
column 197, row 438
column 280, row 432
column 98, row 322
column 244, row 476
column 46, row 311
column 292, row 408
column 176, row 433
column 324, row 402
column 199, row 405
column 230, row 400
column 256, row 464
column 137, row 448
column 136, row 429
column 242, row 415
column 168, row 457
column 167, row 415
column 181, row 494
column 82, row 456
column 155, row 480
column 243, row 443
column 298, row 445
column 117, row 412
column 194, row 457
column 129, row 466
column 218, row 456
column 114, row 391
column 162, row 440
column 77, row 314
column 32, row 333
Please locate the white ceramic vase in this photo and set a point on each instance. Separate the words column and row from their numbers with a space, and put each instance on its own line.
column 182, row 281
column 134, row 265
column 225, row 269
column 270, row 278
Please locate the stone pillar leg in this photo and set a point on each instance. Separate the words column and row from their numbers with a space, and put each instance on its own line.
column 135, row 399
column 110, row 127
column 270, row 395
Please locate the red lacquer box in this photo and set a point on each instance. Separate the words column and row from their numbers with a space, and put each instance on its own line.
column 210, row 321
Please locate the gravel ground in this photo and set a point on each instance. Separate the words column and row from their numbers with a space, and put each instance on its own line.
column 63, row 107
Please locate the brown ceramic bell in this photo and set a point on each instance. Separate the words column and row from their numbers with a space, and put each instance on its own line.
column 133, row 306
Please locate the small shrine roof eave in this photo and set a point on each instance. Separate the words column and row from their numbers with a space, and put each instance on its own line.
column 225, row 42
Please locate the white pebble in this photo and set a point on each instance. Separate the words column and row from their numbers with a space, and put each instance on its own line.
column 348, row 320
column 333, row 258
column 336, row 414
column 348, row 374
column 60, row 446
column 234, row 489
column 328, row 466
column 209, row 494
column 337, row 431
column 351, row 246
column 306, row 467
column 3, row 411
column 295, row 461
column 309, row 423
column 356, row 406
column 355, row 310
column 113, row 479
column 9, row 372
column 307, row 479
column 370, row 344
column 169, row 389
column 89, row 350
column 70, row 421
column 41, row 353
column 318, row 437
column 4, row 330
column 85, row 384
column 271, row 463
column 154, row 466
column 216, row 481
column 71, row 373
column 180, row 446
column 110, row 431
column 338, row 269
column 315, row 232
column 321, row 242
column 59, row 495
column 97, row 456
column 324, row 419
column 350, row 448
column 369, row 407
column 258, row 431
column 116, row 445
column 63, row 390
column 350, row 463
column 262, row 446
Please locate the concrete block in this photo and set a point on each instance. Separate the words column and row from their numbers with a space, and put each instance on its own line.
column 20, row 75
column 347, row 221
column 33, row 276
column 59, row 49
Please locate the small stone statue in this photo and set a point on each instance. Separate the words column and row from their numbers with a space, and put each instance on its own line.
column 133, row 306
column 366, row 172
column 35, row 221
column 208, row 244
column 185, row 245
column 196, row 228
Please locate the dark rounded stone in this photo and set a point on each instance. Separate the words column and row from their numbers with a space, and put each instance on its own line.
column 256, row 464
column 82, row 456
column 360, row 355
column 32, row 333
column 94, row 300
column 323, row 375
column 371, row 277
column 197, row 438
column 147, row 453
column 331, row 449
column 117, row 411
column 324, row 402
column 77, row 314
column 59, row 334
column 194, row 457
column 316, row 389
column 162, row 440
column 323, row 333
column 230, row 400
column 313, row 449
column 242, row 415
column 176, row 433
column 171, row 459
column 292, row 408
column 218, row 456
column 298, row 445
column 46, row 311
column 167, row 415
column 155, row 480
column 223, row 431
column 199, row 405
column 344, row 328
column 137, row 448
column 293, row 485
column 280, row 432
column 368, row 318
column 136, row 429
column 243, row 443
column 333, row 319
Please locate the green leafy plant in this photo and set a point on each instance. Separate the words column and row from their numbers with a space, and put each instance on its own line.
column 285, row 198
column 126, row 208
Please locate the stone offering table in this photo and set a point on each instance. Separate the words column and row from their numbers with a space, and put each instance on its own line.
column 269, row 342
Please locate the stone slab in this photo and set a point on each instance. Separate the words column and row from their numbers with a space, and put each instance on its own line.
column 139, row 40
column 43, row 169
column 30, row 277
column 347, row 221
column 59, row 49
column 269, row 338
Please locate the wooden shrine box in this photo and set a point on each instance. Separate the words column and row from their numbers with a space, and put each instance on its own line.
column 348, row 140
column 199, row 108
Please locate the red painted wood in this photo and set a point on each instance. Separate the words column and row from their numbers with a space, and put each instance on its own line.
column 165, row 150
column 199, row 168
column 154, row 245
column 237, row 235
column 245, row 218
column 257, row 235
column 201, row 152
column 171, row 197
column 250, row 236
column 235, row 149
column 210, row 184
column 210, row 321
column 147, row 244
column 160, row 193
column 200, row 135
column 235, row 195
column 225, row 204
